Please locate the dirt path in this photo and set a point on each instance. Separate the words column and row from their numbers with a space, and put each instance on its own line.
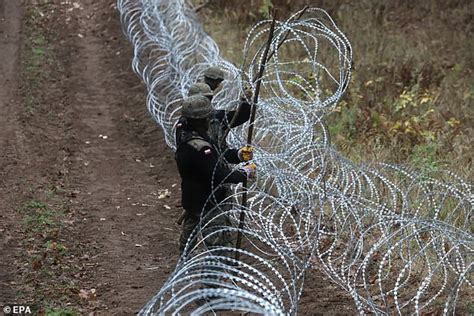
column 121, row 174
column 90, row 149
column 10, row 21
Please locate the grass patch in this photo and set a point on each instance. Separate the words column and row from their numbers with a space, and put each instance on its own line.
column 36, row 56
column 40, row 217
column 55, row 246
column 425, row 157
column 48, row 257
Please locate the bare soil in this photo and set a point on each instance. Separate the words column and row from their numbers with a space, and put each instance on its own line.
column 82, row 166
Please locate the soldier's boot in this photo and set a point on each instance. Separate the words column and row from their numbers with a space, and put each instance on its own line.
column 189, row 224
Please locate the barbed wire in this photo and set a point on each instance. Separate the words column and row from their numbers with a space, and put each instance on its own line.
column 395, row 239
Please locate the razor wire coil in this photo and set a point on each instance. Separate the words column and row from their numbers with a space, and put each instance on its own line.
column 396, row 240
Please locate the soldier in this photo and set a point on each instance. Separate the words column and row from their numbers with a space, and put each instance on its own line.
column 202, row 89
column 202, row 171
column 222, row 121
column 213, row 77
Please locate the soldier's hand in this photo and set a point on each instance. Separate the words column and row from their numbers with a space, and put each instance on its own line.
column 245, row 153
column 251, row 170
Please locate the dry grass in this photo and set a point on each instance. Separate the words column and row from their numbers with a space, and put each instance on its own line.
column 411, row 97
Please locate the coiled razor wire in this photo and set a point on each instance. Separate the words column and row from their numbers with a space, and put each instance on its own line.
column 396, row 240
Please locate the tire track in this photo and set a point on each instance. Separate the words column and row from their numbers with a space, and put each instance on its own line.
column 10, row 26
column 120, row 168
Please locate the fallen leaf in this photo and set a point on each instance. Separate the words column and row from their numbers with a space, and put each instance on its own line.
column 89, row 295
column 164, row 194
column 36, row 264
column 153, row 268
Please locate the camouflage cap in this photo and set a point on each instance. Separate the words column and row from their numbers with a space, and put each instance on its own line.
column 200, row 89
column 214, row 73
column 196, row 107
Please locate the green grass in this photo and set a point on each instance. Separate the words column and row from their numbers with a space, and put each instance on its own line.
column 425, row 157
column 40, row 217
column 36, row 56
column 265, row 9
column 37, row 53
column 55, row 246
column 35, row 205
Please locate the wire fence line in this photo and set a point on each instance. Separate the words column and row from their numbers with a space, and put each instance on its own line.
column 395, row 239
